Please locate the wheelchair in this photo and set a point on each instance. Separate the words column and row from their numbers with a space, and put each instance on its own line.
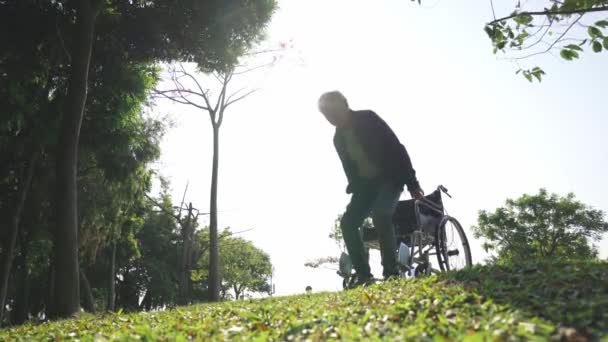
column 429, row 240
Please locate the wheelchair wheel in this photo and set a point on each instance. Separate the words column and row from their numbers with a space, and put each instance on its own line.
column 452, row 246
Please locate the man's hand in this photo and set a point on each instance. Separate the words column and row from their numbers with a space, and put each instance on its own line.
column 417, row 194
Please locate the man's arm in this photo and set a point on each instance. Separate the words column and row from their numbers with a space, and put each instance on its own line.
column 408, row 172
column 347, row 164
column 388, row 152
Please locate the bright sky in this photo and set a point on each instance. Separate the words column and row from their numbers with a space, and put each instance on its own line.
column 466, row 119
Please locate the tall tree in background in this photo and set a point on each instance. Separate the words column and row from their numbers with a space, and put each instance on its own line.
column 245, row 267
column 209, row 91
column 65, row 247
column 187, row 219
column 541, row 226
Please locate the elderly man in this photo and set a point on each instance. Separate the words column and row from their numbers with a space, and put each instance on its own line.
column 377, row 166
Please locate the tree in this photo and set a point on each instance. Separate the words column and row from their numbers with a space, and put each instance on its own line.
column 136, row 32
column 195, row 88
column 566, row 26
column 244, row 267
column 14, row 232
column 541, row 226
column 65, row 249
column 67, row 291
column 153, row 273
column 187, row 224
column 112, row 177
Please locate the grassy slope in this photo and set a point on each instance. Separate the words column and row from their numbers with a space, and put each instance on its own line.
column 567, row 301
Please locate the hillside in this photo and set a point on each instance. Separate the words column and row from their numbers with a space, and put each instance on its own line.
column 565, row 301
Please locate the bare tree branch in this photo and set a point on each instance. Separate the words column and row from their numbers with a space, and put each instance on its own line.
column 259, row 52
column 240, row 232
column 254, row 68
column 549, row 12
column 217, row 77
column 203, row 93
column 183, row 199
column 177, row 218
column 555, row 41
column 176, row 98
column 493, row 12
column 548, row 27
column 231, row 101
column 172, row 98
column 221, row 100
column 180, row 90
column 235, row 93
column 582, row 25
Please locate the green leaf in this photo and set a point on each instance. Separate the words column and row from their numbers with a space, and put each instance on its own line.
column 594, row 32
column 498, row 35
column 573, row 47
column 538, row 75
column 490, row 31
column 569, row 5
column 606, row 43
column 523, row 35
column 602, row 23
column 511, row 35
column 528, row 76
column 568, row 54
column 523, row 19
column 597, row 46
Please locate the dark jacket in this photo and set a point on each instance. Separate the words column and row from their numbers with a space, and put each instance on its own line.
column 381, row 146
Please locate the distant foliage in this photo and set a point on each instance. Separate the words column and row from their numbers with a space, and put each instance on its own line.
column 541, row 226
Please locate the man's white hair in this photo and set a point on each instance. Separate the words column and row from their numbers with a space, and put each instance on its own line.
column 331, row 98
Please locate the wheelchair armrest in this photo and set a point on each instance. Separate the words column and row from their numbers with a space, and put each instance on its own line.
column 428, row 204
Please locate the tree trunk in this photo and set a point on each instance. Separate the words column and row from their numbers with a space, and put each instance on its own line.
column 88, row 301
column 51, row 289
column 128, row 293
column 184, row 267
column 66, row 289
column 237, row 293
column 146, row 303
column 7, row 262
column 112, row 279
column 22, row 304
column 214, row 262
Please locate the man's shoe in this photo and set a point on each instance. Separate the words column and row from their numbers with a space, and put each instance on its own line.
column 391, row 277
column 361, row 281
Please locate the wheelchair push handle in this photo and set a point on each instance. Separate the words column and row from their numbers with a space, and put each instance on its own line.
column 444, row 190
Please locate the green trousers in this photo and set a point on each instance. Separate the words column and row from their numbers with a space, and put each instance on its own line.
column 380, row 201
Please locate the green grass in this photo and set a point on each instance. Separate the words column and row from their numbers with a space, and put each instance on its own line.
column 530, row 302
